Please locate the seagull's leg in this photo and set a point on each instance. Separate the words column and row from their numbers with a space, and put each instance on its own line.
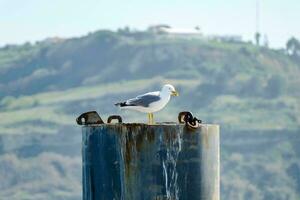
column 149, row 118
column 152, row 118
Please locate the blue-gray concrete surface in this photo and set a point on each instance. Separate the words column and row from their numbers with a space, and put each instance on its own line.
column 146, row 162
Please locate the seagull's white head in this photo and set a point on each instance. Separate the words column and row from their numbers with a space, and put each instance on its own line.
column 170, row 90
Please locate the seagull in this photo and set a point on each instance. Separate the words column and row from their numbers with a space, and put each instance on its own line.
column 150, row 102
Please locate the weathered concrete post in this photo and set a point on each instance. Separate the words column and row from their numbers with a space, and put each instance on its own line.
column 160, row 162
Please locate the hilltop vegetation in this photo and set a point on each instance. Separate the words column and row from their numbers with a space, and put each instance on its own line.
column 251, row 91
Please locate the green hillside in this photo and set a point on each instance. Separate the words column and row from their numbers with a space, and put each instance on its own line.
column 251, row 91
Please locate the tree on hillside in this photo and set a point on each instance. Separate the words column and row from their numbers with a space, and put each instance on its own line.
column 293, row 47
column 252, row 87
column 275, row 87
column 257, row 38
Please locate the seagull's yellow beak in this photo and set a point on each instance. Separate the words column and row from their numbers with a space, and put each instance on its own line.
column 174, row 93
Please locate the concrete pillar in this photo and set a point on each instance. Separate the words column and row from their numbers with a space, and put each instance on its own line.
column 146, row 162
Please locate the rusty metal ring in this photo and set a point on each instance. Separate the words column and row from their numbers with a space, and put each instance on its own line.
column 88, row 118
column 117, row 117
column 183, row 117
column 188, row 118
column 193, row 124
column 80, row 120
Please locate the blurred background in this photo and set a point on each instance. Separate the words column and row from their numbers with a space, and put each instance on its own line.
column 235, row 63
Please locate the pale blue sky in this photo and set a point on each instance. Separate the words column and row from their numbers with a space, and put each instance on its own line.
column 31, row 20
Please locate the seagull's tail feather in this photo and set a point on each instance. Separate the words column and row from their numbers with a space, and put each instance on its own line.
column 121, row 104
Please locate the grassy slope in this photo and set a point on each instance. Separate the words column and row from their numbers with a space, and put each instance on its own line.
column 44, row 87
column 228, row 83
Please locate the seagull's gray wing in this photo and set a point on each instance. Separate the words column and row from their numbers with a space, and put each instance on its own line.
column 144, row 100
